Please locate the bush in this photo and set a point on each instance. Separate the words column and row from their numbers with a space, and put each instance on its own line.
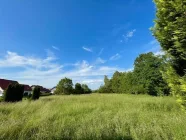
column 35, row 93
column 29, row 96
column 45, row 94
column 25, row 94
column 14, row 93
column 1, row 99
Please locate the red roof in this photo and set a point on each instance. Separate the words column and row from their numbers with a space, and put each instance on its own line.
column 27, row 88
column 46, row 90
column 42, row 89
column 5, row 83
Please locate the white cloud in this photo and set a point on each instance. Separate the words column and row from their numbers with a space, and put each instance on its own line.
column 153, row 46
column 159, row 53
column 87, row 49
column 129, row 35
column 90, row 81
column 47, row 71
column 115, row 57
column 56, row 48
column 12, row 59
column 100, row 61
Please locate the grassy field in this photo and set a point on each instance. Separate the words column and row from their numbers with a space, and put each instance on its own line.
column 93, row 117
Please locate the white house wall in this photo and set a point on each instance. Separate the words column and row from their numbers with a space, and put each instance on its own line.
column 1, row 91
column 29, row 92
column 53, row 90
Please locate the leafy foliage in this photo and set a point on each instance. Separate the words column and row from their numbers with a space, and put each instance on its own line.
column 14, row 93
column 35, row 93
column 78, row 89
column 170, row 31
column 107, row 87
column 86, row 89
column 147, row 75
column 145, row 78
column 65, row 86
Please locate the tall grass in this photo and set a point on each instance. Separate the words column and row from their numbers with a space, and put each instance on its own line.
column 93, row 117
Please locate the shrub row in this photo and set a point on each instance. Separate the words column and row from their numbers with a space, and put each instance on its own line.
column 15, row 93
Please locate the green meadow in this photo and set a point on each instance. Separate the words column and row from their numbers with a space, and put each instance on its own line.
column 93, row 117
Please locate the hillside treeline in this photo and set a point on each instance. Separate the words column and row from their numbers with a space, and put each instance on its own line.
column 146, row 78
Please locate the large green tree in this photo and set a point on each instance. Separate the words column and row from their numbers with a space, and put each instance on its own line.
column 65, row 86
column 116, row 82
column 146, row 78
column 147, row 75
column 126, row 85
column 107, row 87
column 78, row 89
column 170, row 31
column 86, row 89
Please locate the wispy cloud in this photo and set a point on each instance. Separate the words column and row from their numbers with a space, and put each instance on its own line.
column 100, row 61
column 153, row 46
column 128, row 35
column 120, row 28
column 115, row 57
column 87, row 49
column 12, row 59
column 131, row 33
column 56, row 48
column 101, row 51
column 153, row 42
column 48, row 71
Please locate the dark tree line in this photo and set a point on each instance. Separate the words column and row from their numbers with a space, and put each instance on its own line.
column 146, row 78
column 65, row 86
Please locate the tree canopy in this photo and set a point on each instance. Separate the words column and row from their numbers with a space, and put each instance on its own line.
column 146, row 78
column 78, row 89
column 170, row 31
column 65, row 86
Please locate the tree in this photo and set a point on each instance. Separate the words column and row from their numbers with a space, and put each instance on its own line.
column 14, row 93
column 36, row 93
column 78, row 89
column 170, row 31
column 65, row 86
column 147, row 75
column 107, row 87
column 86, row 89
column 116, row 82
column 127, row 85
column 146, row 78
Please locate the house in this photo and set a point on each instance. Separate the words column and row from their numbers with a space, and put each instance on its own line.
column 4, row 84
column 42, row 89
column 27, row 90
column 52, row 90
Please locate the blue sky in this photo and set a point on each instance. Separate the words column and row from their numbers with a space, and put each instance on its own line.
column 46, row 40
